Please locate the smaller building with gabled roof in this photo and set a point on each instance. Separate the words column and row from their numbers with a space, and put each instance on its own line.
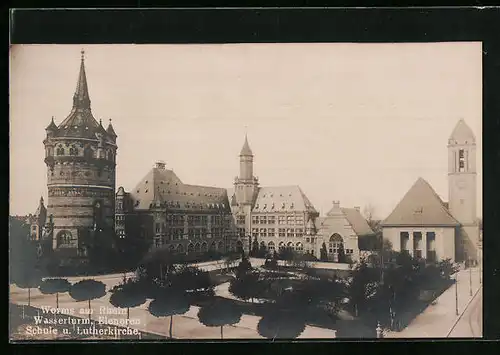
column 425, row 226
column 341, row 228
column 421, row 224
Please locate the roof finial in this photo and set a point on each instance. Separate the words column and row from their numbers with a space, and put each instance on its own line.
column 100, row 121
column 83, row 54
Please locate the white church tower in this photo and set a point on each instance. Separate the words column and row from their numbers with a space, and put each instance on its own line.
column 462, row 184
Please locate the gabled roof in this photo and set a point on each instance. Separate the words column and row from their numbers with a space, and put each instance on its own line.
column 164, row 186
column 421, row 206
column 283, row 198
column 462, row 134
column 357, row 221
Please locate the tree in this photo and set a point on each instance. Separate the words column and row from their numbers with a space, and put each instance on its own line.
column 262, row 251
column 323, row 253
column 287, row 255
column 218, row 313
column 254, row 251
column 361, row 285
column 87, row 290
column 25, row 272
column 281, row 324
column 245, row 286
column 127, row 295
column 57, row 286
column 170, row 302
column 230, row 259
column 243, row 267
column 341, row 257
column 194, row 281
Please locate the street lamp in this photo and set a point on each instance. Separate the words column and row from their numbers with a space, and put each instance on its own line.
column 470, row 277
column 456, row 294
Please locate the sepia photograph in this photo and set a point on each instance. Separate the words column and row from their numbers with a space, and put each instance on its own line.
column 245, row 191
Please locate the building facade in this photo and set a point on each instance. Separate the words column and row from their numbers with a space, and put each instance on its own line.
column 282, row 217
column 80, row 156
column 179, row 217
column 341, row 228
column 427, row 227
column 38, row 222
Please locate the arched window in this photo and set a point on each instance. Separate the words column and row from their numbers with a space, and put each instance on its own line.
column 213, row 246
column 197, row 247
column 289, row 246
column 263, row 245
column 180, row 248
column 299, row 246
column 190, row 248
column 63, row 238
column 171, row 248
column 60, row 150
column 334, row 244
column 73, row 150
column 270, row 246
column 204, row 247
column 281, row 246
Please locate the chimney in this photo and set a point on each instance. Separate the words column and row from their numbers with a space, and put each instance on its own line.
column 160, row 165
column 336, row 204
column 357, row 208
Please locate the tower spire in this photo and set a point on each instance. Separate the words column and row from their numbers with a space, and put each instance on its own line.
column 246, row 151
column 81, row 99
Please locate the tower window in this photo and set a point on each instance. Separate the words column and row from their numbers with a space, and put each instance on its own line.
column 461, row 160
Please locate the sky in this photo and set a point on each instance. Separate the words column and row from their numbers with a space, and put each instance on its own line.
column 357, row 123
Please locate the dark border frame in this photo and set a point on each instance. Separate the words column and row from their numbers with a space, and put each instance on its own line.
column 268, row 25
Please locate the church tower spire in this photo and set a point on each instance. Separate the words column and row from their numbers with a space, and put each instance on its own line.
column 81, row 98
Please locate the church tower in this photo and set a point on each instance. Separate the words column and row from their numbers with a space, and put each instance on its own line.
column 246, row 187
column 462, row 184
column 80, row 155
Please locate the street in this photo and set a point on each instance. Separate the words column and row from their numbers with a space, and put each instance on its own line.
column 439, row 319
column 470, row 323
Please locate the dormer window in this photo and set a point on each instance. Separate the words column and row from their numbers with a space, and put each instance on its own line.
column 283, row 205
column 419, row 210
column 265, row 206
column 291, row 206
column 257, row 206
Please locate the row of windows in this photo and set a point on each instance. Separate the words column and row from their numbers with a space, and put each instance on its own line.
column 272, row 206
column 418, row 243
column 289, row 220
column 178, row 233
column 282, row 232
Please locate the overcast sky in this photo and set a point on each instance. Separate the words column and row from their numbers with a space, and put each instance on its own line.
column 358, row 123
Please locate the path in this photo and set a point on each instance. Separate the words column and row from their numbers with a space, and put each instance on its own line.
column 437, row 320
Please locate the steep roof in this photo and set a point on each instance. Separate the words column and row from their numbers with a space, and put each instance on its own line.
column 357, row 221
column 163, row 185
column 462, row 134
column 284, row 198
column 246, row 148
column 420, row 206
column 80, row 123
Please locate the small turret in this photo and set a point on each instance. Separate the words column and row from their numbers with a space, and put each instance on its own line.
column 51, row 128
column 110, row 130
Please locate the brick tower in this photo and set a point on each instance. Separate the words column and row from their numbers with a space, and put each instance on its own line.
column 80, row 156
